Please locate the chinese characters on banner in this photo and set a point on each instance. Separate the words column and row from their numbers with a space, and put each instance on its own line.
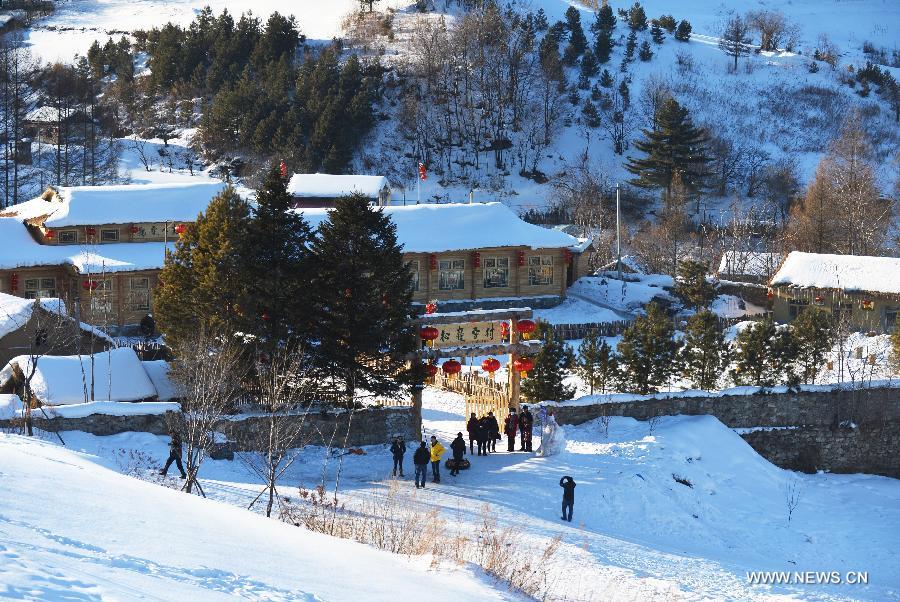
column 471, row 333
column 155, row 231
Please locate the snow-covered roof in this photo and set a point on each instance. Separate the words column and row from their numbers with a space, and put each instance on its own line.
column 45, row 113
column 16, row 311
column 158, row 371
column 125, row 204
column 457, row 227
column 845, row 272
column 118, row 375
column 35, row 208
column 20, row 250
column 748, row 263
column 320, row 185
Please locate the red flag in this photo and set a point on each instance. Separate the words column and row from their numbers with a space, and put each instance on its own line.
column 422, row 175
column 283, row 168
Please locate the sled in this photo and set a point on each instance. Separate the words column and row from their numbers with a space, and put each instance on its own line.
column 463, row 464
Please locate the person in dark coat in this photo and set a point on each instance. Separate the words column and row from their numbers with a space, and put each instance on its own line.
column 568, row 502
column 174, row 456
column 510, row 426
column 421, row 458
column 493, row 431
column 472, row 429
column 482, row 435
column 526, row 423
column 398, row 449
column 458, row 447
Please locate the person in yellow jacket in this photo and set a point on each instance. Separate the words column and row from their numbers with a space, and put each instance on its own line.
column 437, row 450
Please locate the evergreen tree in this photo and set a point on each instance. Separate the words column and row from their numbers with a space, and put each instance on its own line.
column 630, row 45
column 764, row 356
column 540, row 20
column 605, row 21
column 577, row 40
column 683, row 32
column 276, row 265
column 637, row 18
column 363, row 289
column 606, row 79
column 734, row 40
column 597, row 363
column 645, row 53
column 814, row 334
column 705, row 353
column 200, row 284
column 603, row 45
column 692, row 285
column 591, row 115
column 676, row 146
column 589, row 65
column 551, row 364
column 656, row 32
column 667, row 22
column 648, row 353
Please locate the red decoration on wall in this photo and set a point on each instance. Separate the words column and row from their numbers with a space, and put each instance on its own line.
column 49, row 234
column 525, row 328
column 770, row 294
column 429, row 333
column 504, row 330
column 567, row 256
column 476, row 259
column 432, row 261
column 180, row 228
column 868, row 304
column 14, row 282
column 522, row 365
column 90, row 285
column 90, row 231
column 451, row 367
column 135, row 230
column 521, row 256
column 819, row 300
column 430, row 308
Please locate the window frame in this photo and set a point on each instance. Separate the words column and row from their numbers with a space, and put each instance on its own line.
column 40, row 287
column 491, row 266
column 139, row 292
column 414, row 266
column 545, row 265
column 455, row 268
column 108, row 231
column 795, row 306
column 62, row 235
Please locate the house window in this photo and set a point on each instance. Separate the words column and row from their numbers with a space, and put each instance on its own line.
column 452, row 275
column 540, row 270
column 109, row 235
column 414, row 273
column 139, row 297
column 67, row 237
column 496, row 272
column 841, row 312
column 101, row 299
column 891, row 313
column 40, row 288
column 795, row 306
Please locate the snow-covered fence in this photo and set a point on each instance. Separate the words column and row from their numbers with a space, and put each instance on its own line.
column 570, row 332
column 482, row 394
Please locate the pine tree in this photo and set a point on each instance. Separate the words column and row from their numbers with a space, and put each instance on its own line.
column 589, row 65
column 276, row 265
column 656, row 32
column 630, row 45
column 648, row 353
column 606, row 79
column 603, row 46
column 577, row 40
column 540, row 20
column 200, row 284
column 591, row 115
column 637, row 18
column 683, row 32
column 551, row 364
column 705, row 353
column 765, row 355
column 597, row 363
column 676, row 146
column 364, row 293
column 667, row 22
column 734, row 40
column 814, row 334
column 692, row 285
column 605, row 20
column 645, row 53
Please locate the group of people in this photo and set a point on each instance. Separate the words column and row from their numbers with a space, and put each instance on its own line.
column 485, row 431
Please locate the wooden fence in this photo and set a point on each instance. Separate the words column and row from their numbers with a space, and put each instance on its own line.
column 570, row 332
column 482, row 394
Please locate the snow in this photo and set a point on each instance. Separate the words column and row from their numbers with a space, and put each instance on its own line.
column 16, row 311
column 845, row 272
column 61, row 380
column 320, row 185
column 158, row 371
column 99, row 535
column 730, row 306
column 437, row 228
column 21, row 250
column 10, row 406
column 748, row 263
column 111, row 408
column 44, row 114
column 135, row 203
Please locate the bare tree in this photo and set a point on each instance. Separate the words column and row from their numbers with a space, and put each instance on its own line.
column 775, row 31
column 209, row 372
column 792, row 491
column 139, row 145
column 585, row 195
column 655, row 91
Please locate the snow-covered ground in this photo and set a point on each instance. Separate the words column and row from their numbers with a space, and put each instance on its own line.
column 638, row 534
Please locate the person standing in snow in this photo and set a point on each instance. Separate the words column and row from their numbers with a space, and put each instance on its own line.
column 568, row 502
column 472, row 429
column 420, row 460
column 511, row 424
column 481, row 436
column 174, row 456
column 493, row 431
column 398, row 449
column 459, row 450
column 526, row 424
column 437, row 450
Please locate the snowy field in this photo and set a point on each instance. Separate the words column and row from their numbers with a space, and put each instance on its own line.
column 637, row 534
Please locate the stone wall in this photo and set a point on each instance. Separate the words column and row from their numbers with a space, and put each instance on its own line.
column 841, row 430
column 100, row 424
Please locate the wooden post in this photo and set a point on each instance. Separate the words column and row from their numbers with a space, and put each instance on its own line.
column 417, row 410
column 513, row 373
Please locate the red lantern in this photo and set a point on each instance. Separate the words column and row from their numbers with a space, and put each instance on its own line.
column 265, row 316
column 521, row 256
column 431, row 370
column 522, row 365
column 451, row 367
column 490, row 365
column 423, row 175
column 504, row 330
column 868, row 304
column 13, row 282
column 429, row 333
column 819, row 300
column 49, row 234
column 432, row 261
column 770, row 294
column 180, row 228
column 283, row 169
column 431, row 307
column 135, row 230
column 90, row 231
column 567, row 256
column 476, row 259
column 525, row 328
column 90, row 285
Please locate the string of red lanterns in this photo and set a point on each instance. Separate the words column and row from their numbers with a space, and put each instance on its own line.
column 522, row 365
column 490, row 365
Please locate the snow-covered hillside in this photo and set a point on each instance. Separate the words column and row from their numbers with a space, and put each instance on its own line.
column 71, row 529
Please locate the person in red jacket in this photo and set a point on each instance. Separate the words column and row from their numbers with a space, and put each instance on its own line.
column 510, row 426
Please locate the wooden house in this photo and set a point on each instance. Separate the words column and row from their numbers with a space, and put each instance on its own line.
column 322, row 190
column 863, row 291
